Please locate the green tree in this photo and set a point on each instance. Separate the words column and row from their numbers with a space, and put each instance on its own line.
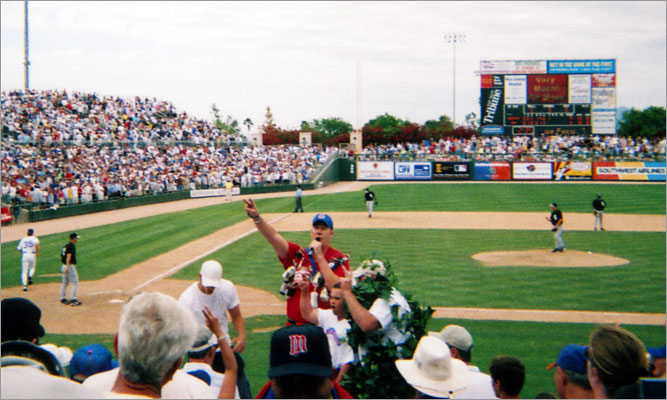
column 329, row 127
column 647, row 123
column 472, row 121
column 228, row 126
column 268, row 126
column 248, row 123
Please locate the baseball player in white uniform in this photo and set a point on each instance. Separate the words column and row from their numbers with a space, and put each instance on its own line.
column 29, row 246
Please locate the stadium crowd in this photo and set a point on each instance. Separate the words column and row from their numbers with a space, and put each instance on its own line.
column 523, row 148
column 63, row 148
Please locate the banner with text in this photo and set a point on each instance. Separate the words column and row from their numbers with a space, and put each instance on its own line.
column 412, row 171
column 214, row 192
column 375, row 170
column 532, row 171
column 572, row 170
column 446, row 170
column 493, row 171
column 629, row 171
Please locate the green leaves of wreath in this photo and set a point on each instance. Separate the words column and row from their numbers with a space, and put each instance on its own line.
column 376, row 375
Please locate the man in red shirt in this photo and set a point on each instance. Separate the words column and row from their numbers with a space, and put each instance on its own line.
column 307, row 262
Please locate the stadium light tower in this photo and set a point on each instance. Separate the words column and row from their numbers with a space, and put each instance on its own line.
column 27, row 62
column 453, row 38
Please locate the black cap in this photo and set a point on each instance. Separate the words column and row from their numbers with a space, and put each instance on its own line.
column 30, row 231
column 73, row 235
column 300, row 350
column 20, row 320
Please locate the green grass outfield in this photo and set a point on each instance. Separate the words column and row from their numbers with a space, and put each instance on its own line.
column 432, row 265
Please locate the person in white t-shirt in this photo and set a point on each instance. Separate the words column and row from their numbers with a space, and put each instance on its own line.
column 460, row 343
column 379, row 316
column 29, row 246
column 334, row 324
column 220, row 296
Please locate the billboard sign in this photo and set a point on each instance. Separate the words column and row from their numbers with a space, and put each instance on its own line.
column 629, row 171
column 492, row 107
column 579, row 89
column 412, row 170
column 443, row 170
column 236, row 191
column 532, row 171
column 513, row 67
column 572, row 170
column 375, row 170
column 581, row 66
column 515, row 89
column 547, row 89
column 493, row 171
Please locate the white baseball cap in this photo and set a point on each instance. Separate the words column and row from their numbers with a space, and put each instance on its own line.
column 433, row 371
column 211, row 274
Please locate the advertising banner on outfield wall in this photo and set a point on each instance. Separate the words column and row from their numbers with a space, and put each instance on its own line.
column 493, row 171
column 214, row 192
column 572, row 171
column 375, row 170
column 537, row 171
column 412, row 171
column 629, row 171
column 447, row 170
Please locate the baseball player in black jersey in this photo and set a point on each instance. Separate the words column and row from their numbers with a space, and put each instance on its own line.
column 598, row 210
column 556, row 219
column 370, row 201
column 70, row 275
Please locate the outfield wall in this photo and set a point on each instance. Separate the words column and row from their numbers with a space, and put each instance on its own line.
column 510, row 171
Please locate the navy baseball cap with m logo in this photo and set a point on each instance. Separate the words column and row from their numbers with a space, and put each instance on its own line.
column 300, row 350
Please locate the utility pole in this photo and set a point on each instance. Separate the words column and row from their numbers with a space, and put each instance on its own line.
column 453, row 38
column 27, row 62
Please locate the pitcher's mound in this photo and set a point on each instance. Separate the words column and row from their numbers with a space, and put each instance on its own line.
column 545, row 258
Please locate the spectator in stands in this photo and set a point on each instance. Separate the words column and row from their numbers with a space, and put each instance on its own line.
column 570, row 376
column 657, row 361
column 617, row 359
column 508, row 374
column 433, row 372
column 90, row 360
column 21, row 320
column 154, row 333
column 300, row 365
column 460, row 343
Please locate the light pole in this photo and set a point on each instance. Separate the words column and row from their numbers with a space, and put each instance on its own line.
column 453, row 38
column 25, row 32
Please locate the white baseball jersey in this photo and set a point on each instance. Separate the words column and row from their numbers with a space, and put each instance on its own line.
column 222, row 299
column 28, row 245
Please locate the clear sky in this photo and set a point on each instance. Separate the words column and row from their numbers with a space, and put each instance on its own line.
column 301, row 58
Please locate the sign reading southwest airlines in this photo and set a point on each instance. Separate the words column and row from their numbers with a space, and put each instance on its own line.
column 412, row 170
column 375, row 170
column 629, row 171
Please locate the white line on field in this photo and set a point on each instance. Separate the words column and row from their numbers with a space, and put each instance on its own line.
column 190, row 261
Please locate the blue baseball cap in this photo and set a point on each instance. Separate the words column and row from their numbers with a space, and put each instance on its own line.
column 90, row 360
column 572, row 358
column 299, row 350
column 657, row 352
column 323, row 218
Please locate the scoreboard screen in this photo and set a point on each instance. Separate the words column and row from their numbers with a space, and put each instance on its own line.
column 559, row 97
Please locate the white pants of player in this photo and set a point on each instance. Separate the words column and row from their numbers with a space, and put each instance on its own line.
column 28, row 262
column 598, row 220
column 72, row 276
column 558, row 238
column 229, row 194
column 369, row 206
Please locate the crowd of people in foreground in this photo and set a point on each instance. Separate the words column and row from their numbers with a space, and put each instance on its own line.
column 316, row 355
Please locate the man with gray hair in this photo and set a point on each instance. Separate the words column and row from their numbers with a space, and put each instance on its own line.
column 154, row 334
column 570, row 377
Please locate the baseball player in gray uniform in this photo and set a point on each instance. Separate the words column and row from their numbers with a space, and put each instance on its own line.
column 556, row 219
column 70, row 275
column 29, row 246
column 370, row 201
column 598, row 210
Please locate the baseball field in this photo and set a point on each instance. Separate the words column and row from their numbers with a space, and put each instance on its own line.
column 479, row 253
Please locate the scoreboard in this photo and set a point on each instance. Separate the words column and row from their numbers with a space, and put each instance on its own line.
column 556, row 97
